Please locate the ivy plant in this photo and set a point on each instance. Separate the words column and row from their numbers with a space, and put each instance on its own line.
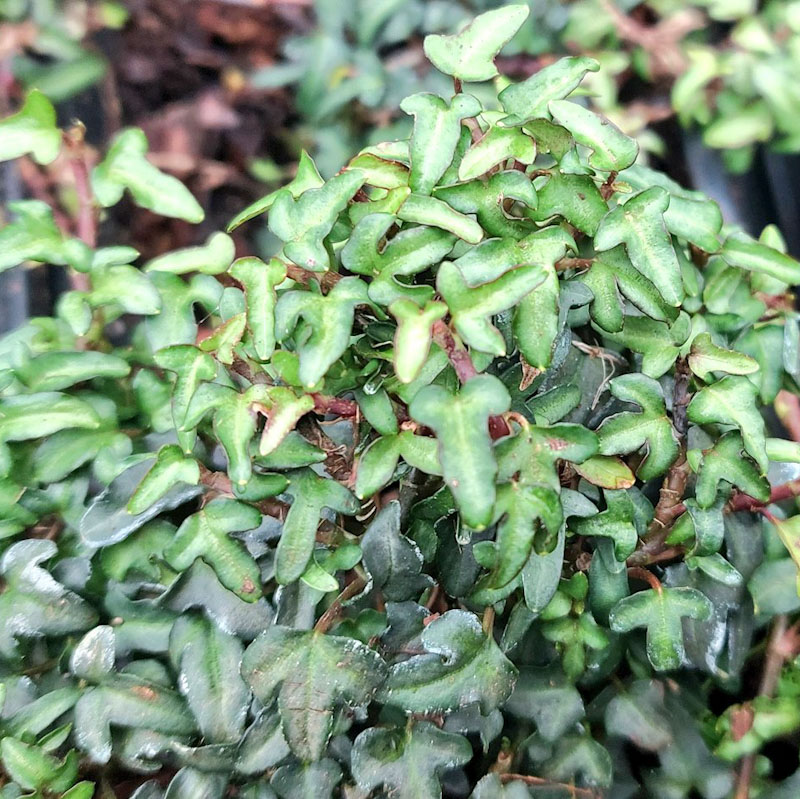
column 480, row 483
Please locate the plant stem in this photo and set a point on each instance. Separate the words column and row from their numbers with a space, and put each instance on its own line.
column 86, row 221
column 638, row 573
column 541, row 781
column 773, row 663
column 327, row 619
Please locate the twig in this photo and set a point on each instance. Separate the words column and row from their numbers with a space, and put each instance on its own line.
column 327, row 619
column 544, row 783
column 87, row 211
column 638, row 573
column 773, row 663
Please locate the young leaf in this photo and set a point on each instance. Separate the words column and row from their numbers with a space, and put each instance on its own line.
column 126, row 167
column 330, row 319
column 306, row 177
column 529, row 100
column 612, row 150
column 32, row 130
column 661, row 612
column 469, row 55
column 465, row 448
column 34, row 236
column 54, row 371
column 28, row 416
column 408, row 761
column 437, row 129
column 470, row 307
column 707, row 357
column 732, row 401
column 408, row 252
column 461, row 666
column 212, row 258
column 742, row 251
column 617, row 523
column 412, row 341
column 313, row 675
column 206, row 535
column 303, row 223
column 627, row 432
column 170, row 467
column 574, row 197
column 536, row 321
column 423, row 210
column 639, row 225
column 310, row 494
column 259, row 281
column 495, row 147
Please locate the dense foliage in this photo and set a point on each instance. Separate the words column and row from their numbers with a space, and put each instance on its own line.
column 468, row 491
column 729, row 69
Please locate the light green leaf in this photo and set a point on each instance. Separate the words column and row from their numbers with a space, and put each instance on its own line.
column 437, row 129
column 617, row 523
column 310, row 494
column 171, row 467
column 53, row 371
column 465, row 448
column 495, row 147
column 639, row 225
column 423, row 210
column 330, row 319
column 627, row 432
column 259, row 281
column 707, row 357
column 28, row 416
column 307, row 177
column 528, row 100
column 303, row 223
column 574, row 197
column 126, row 167
column 412, row 341
column 732, row 401
column 212, row 258
column 206, row 535
column 32, row 130
column 612, row 150
column 661, row 612
column 469, row 55
column 471, row 307
column 724, row 461
column 742, row 251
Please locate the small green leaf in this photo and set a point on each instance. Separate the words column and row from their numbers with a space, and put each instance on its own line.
column 529, row 100
column 606, row 472
column 259, row 281
column 617, row 523
column 628, row 432
column 53, row 371
column 423, row 210
column 32, row 130
column 303, row 223
column 171, row 467
column 661, row 612
column 310, row 494
column 574, row 197
column 471, row 307
column 330, row 320
column 742, row 251
column 495, row 147
column 461, row 666
column 732, row 401
column 412, row 341
column 307, row 177
column 640, row 226
column 206, row 535
column 707, row 357
column 313, row 675
column 789, row 532
column 28, row 416
column 408, row 761
column 612, row 150
column 437, row 129
column 465, row 448
column 126, row 167
column 469, row 55
column 212, row 258
column 34, row 769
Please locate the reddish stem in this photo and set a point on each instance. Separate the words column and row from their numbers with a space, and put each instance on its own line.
column 638, row 573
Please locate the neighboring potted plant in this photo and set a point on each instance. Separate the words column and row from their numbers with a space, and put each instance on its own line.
column 467, row 490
